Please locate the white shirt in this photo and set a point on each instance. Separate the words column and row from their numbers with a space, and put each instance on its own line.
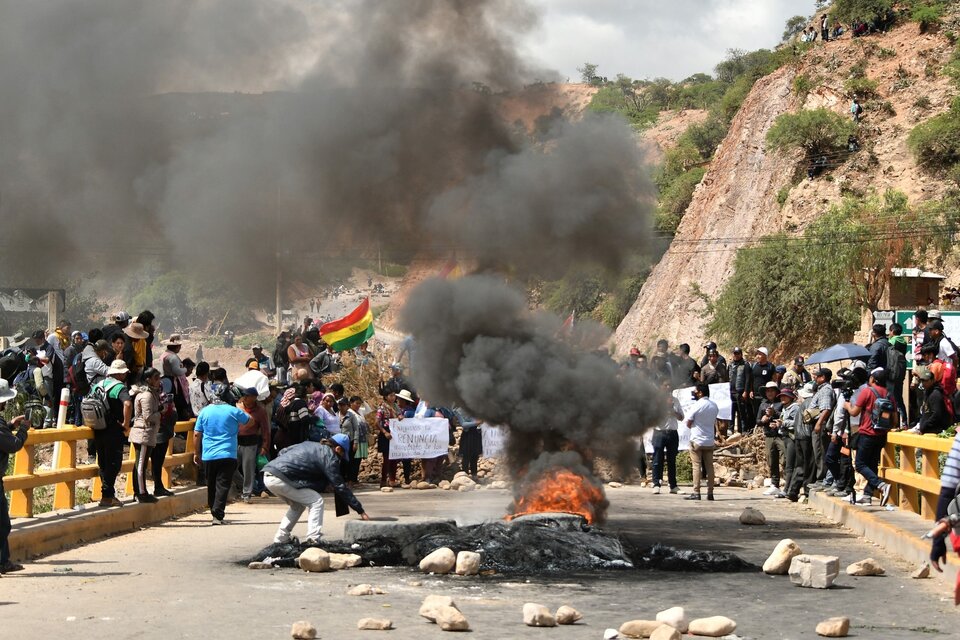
column 253, row 379
column 946, row 349
column 670, row 423
column 701, row 417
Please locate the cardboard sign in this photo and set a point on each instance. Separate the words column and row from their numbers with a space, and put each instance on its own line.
column 419, row 438
column 719, row 393
column 494, row 440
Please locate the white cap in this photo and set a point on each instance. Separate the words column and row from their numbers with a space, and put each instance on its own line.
column 763, row 350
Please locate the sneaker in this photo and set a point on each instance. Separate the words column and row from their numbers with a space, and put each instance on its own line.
column 885, row 493
column 804, row 499
column 146, row 498
column 674, row 489
column 864, row 501
column 693, row 496
column 310, row 542
column 216, row 521
column 656, row 490
column 245, row 499
column 771, row 491
column 11, row 567
column 779, row 494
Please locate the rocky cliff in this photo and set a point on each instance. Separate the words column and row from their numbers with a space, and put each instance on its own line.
column 737, row 199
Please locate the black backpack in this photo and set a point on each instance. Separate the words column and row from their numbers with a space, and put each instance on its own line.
column 896, row 365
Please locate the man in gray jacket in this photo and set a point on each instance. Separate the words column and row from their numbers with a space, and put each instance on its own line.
column 298, row 475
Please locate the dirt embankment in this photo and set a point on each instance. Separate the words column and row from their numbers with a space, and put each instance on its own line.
column 737, row 198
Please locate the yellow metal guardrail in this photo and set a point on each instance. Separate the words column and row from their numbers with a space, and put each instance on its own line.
column 914, row 491
column 65, row 472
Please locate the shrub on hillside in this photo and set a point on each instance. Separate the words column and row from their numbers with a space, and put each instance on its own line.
column 935, row 143
column 863, row 88
column 675, row 199
column 813, row 130
column 927, row 14
column 847, row 11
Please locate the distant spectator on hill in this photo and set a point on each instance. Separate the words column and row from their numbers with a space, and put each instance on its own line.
column 856, row 109
column 824, row 28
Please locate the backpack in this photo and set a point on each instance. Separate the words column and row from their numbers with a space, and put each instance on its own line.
column 77, row 377
column 896, row 365
column 94, row 406
column 881, row 416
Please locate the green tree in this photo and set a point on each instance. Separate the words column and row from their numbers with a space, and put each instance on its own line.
column 588, row 72
column 793, row 27
column 847, row 11
column 935, row 143
column 813, row 130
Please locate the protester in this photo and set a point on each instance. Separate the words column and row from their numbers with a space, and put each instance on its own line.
column 760, row 374
column 253, row 378
column 253, row 439
column 820, row 412
column 843, row 436
column 741, row 385
column 878, row 347
column 109, row 441
column 120, row 321
column 897, row 367
column 397, row 382
column 707, row 348
column 875, row 422
column 804, row 467
column 354, row 427
column 215, row 444
column 325, row 362
column 293, row 418
column 714, row 371
column 280, row 357
column 386, row 412
column 768, row 418
column 200, row 388
column 796, row 376
column 701, row 418
column 176, row 373
column 327, row 414
column 298, row 476
column 265, row 362
column 666, row 441
column 10, row 443
column 471, row 444
column 686, row 371
column 143, row 432
column 298, row 355
column 936, row 414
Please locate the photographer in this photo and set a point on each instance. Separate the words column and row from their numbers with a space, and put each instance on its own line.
column 10, row 442
column 877, row 417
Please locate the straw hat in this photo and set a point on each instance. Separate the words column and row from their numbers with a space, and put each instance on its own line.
column 6, row 393
column 405, row 395
column 117, row 367
column 175, row 340
column 136, row 331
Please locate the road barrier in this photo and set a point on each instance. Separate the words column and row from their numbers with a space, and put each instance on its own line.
column 913, row 491
column 66, row 472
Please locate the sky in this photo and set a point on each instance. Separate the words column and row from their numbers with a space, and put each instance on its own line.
column 654, row 38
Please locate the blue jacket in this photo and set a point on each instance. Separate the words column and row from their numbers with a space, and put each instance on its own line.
column 311, row 465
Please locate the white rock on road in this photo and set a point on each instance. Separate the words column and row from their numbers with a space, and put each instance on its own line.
column 339, row 561
column 303, row 630
column 374, row 624
column 713, row 627
column 537, row 615
column 866, row 567
column 834, row 627
column 778, row 563
column 815, row 571
column 665, row 632
column 676, row 617
column 923, row 571
column 568, row 615
column 468, row 563
column 432, row 604
column 450, row 619
column 365, row 590
column 314, row 560
column 639, row 628
column 442, row 560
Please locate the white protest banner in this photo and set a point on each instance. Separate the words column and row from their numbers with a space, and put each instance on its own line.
column 419, row 438
column 493, row 439
column 719, row 393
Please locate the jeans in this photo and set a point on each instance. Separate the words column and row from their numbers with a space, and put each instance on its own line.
column 789, row 459
column 219, row 478
column 804, row 468
column 297, row 500
column 247, row 462
column 868, row 458
column 109, row 443
column 701, row 455
column 5, row 527
column 665, row 444
column 775, row 450
column 840, row 467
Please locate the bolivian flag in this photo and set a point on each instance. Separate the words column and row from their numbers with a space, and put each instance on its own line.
column 350, row 331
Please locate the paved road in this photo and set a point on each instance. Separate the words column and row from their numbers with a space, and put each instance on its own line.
column 180, row 580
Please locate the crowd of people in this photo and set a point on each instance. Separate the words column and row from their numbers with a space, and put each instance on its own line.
column 826, row 28
column 819, row 426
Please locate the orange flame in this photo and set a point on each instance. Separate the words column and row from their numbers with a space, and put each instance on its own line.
column 561, row 491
